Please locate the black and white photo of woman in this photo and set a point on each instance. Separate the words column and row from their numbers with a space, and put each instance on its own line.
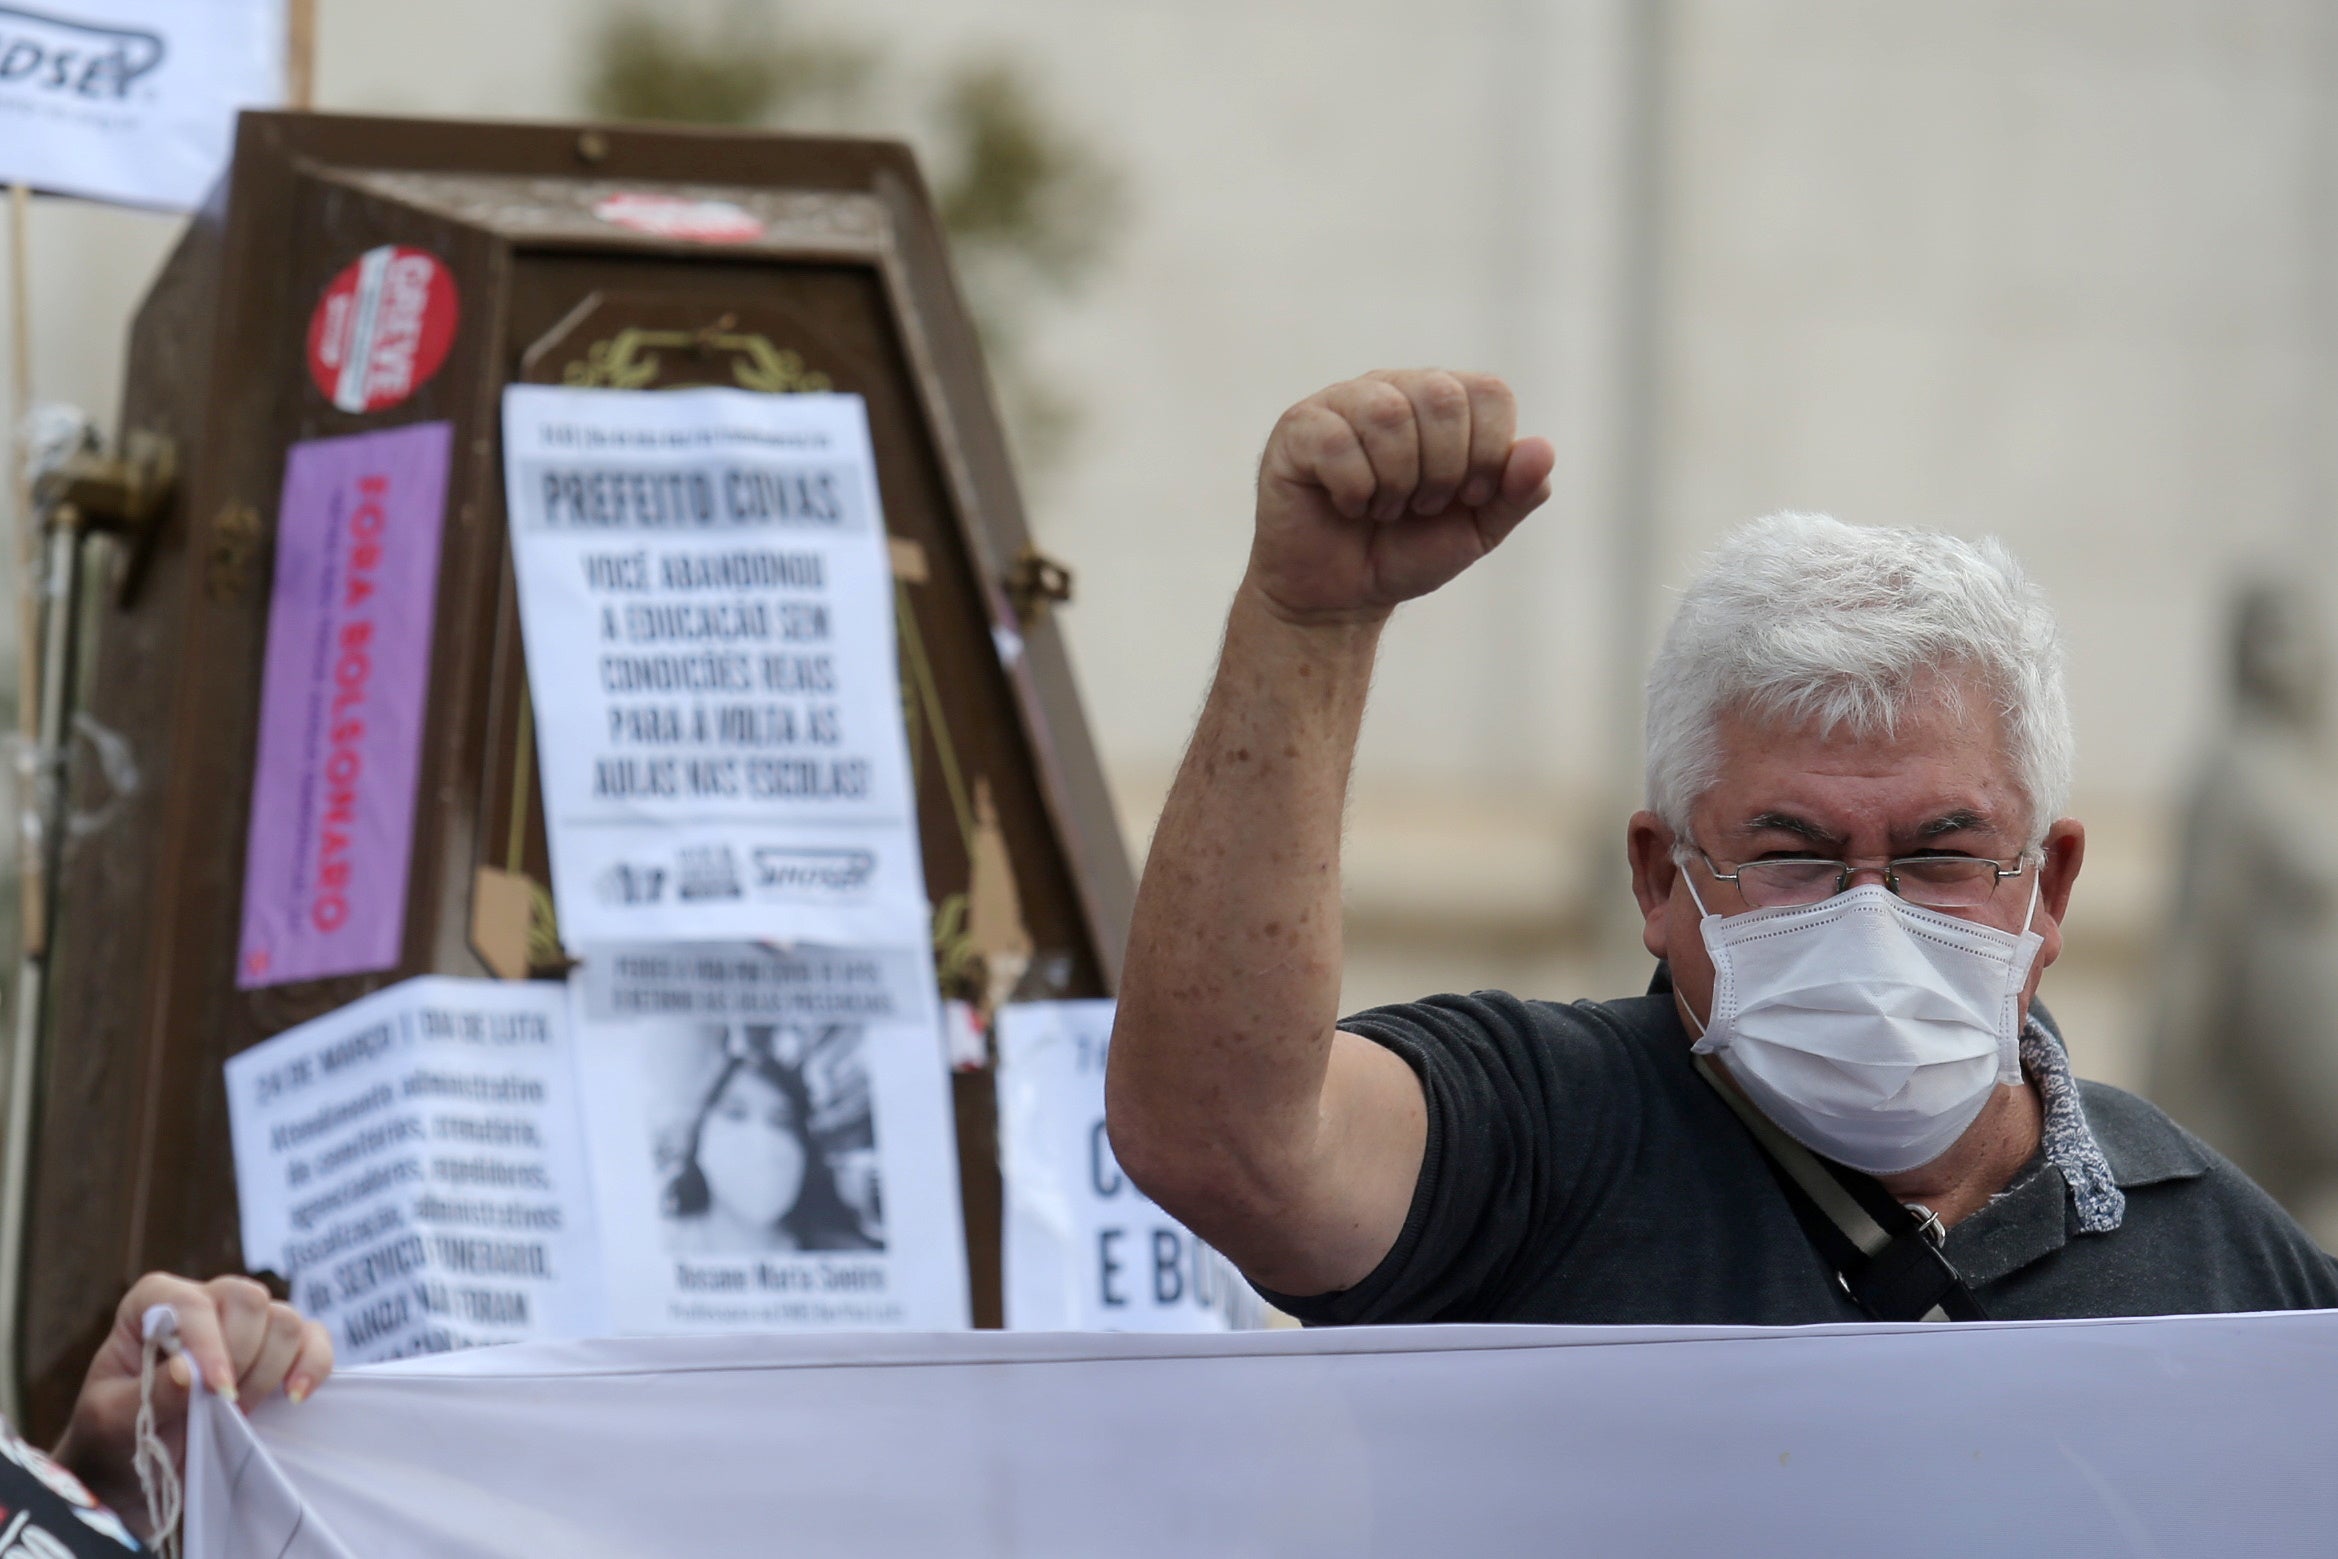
column 757, row 1168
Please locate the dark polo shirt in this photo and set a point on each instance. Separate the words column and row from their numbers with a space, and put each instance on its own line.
column 1579, row 1170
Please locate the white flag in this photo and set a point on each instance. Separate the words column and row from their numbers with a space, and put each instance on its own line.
column 2190, row 1435
column 132, row 101
column 238, row 1500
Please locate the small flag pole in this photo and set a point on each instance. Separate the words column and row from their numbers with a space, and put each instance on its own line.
column 14, row 1157
column 28, row 602
column 300, row 54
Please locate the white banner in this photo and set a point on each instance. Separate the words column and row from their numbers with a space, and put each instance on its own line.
column 2202, row 1436
column 132, row 100
column 707, row 606
column 1084, row 1249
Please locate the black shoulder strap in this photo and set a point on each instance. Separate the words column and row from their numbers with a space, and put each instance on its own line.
column 1887, row 1259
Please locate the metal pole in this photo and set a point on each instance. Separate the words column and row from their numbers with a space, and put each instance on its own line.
column 60, row 595
column 15, row 1149
column 1513, row 683
column 1642, row 254
column 2317, row 520
column 35, row 933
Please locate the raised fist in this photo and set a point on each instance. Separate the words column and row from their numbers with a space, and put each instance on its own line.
column 1385, row 487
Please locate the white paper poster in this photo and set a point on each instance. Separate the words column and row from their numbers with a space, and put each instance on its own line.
column 411, row 1164
column 1085, row 1249
column 708, row 612
column 773, row 1140
column 683, row 1138
column 132, row 100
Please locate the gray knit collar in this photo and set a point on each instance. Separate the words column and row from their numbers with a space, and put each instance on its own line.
column 2069, row 1143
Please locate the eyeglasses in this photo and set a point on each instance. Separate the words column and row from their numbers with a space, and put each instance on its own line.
column 1934, row 881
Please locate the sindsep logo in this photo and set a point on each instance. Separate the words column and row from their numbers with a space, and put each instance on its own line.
column 69, row 58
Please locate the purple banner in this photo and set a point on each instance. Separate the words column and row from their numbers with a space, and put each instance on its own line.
column 349, row 628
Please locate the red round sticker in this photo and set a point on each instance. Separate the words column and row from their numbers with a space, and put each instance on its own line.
column 676, row 216
column 382, row 328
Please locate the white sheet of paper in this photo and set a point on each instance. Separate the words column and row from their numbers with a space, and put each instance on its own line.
column 773, row 1144
column 132, row 101
column 1085, row 1249
column 707, row 607
column 411, row 1164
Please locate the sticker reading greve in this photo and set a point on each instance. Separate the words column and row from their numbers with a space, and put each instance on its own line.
column 341, row 705
column 382, row 328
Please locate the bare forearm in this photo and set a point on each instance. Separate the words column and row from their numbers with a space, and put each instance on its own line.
column 1231, row 989
column 1233, row 1099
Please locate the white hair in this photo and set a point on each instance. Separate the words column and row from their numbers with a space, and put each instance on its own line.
column 1802, row 620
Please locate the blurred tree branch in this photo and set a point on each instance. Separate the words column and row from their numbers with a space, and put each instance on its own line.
column 749, row 70
column 1031, row 209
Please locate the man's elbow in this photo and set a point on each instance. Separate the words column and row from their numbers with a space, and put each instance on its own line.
column 1143, row 1143
column 1163, row 1150
column 1226, row 1199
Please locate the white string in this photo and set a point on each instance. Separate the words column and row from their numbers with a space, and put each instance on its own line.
column 158, row 1479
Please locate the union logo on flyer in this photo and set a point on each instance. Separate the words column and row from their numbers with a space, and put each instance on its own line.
column 677, row 216
column 383, row 327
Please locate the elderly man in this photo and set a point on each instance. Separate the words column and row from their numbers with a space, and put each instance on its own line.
column 1838, row 1098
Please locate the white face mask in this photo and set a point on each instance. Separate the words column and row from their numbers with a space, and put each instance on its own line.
column 751, row 1157
column 1871, row 1030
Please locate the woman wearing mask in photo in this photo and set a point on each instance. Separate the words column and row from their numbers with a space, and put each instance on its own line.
column 752, row 1177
